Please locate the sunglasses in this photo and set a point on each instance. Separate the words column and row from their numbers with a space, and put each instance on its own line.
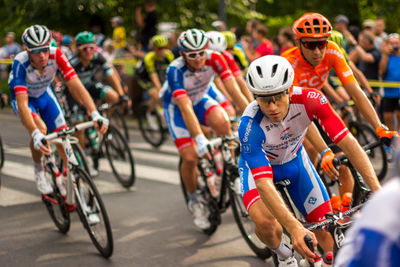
column 193, row 55
column 87, row 48
column 313, row 45
column 271, row 98
column 39, row 50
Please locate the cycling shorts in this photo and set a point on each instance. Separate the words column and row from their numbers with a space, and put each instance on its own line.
column 216, row 94
column 176, row 124
column 390, row 104
column 97, row 90
column 306, row 190
column 47, row 107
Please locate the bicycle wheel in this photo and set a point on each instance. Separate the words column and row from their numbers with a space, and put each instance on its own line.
column 120, row 157
column 92, row 212
column 80, row 157
column 246, row 225
column 55, row 204
column 151, row 126
column 214, row 216
column 1, row 153
column 118, row 120
column 365, row 135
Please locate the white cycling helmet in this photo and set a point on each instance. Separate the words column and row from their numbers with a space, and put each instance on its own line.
column 217, row 41
column 192, row 40
column 36, row 36
column 269, row 75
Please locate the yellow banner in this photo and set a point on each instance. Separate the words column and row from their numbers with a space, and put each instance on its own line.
column 375, row 83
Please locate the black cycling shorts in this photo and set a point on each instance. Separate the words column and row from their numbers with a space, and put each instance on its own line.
column 390, row 104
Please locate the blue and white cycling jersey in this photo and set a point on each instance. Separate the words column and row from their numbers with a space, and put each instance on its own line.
column 374, row 238
column 274, row 150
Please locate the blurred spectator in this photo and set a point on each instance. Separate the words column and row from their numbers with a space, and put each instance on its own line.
column 58, row 37
column 365, row 55
column 276, row 47
column 285, row 39
column 265, row 46
column 173, row 43
column 341, row 23
column 148, row 23
column 11, row 48
column 109, row 50
column 251, row 27
column 219, row 25
column 369, row 26
column 66, row 45
column 119, row 36
column 235, row 50
column 380, row 32
column 389, row 69
column 98, row 35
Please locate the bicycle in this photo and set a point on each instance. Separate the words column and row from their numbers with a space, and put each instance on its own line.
column 151, row 125
column 229, row 193
column 336, row 224
column 81, row 191
column 114, row 146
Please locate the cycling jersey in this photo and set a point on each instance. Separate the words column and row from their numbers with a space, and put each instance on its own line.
column 240, row 57
column 265, row 143
column 181, row 81
column 230, row 60
column 151, row 64
column 309, row 76
column 97, row 64
column 25, row 79
column 374, row 238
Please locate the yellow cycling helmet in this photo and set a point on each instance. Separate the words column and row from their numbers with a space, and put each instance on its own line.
column 230, row 39
column 159, row 41
column 336, row 37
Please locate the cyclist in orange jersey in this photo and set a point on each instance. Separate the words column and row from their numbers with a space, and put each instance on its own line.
column 312, row 59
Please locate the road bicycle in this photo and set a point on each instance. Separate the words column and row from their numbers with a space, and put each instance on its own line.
column 229, row 193
column 81, row 193
column 152, row 125
column 335, row 223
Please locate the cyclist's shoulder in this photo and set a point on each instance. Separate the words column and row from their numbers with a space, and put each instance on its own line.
column 252, row 112
column 333, row 51
column 293, row 52
column 169, row 55
column 22, row 58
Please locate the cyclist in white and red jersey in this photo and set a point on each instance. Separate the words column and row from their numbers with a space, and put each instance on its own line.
column 32, row 98
column 187, row 105
column 271, row 132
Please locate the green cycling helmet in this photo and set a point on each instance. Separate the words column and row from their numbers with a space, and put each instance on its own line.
column 84, row 38
column 230, row 39
column 336, row 37
column 159, row 41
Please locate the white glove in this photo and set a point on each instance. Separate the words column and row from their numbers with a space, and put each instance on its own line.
column 97, row 117
column 37, row 137
column 202, row 144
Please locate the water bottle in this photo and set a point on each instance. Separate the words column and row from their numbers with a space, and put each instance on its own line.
column 328, row 259
column 211, row 178
column 346, row 199
column 336, row 203
column 219, row 164
column 94, row 138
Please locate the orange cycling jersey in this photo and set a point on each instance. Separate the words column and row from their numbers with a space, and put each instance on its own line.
column 315, row 77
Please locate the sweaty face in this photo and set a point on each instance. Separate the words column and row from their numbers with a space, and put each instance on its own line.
column 196, row 59
column 313, row 49
column 276, row 110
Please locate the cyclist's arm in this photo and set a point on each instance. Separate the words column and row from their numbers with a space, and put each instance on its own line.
column 189, row 117
column 329, row 91
column 238, row 98
column 154, row 78
column 115, row 83
column 363, row 104
column 243, row 88
column 25, row 113
column 221, row 87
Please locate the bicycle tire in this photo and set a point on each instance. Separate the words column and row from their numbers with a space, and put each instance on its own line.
column 246, row 226
column 364, row 133
column 118, row 120
column 56, row 206
column 117, row 150
column 214, row 215
column 1, row 153
column 155, row 136
column 80, row 157
column 87, row 198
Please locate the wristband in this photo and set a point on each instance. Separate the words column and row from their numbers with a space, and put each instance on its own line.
column 35, row 132
column 326, row 150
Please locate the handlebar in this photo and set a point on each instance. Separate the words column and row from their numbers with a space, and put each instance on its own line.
column 69, row 131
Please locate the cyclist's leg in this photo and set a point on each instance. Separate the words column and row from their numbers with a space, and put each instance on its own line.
column 308, row 193
column 215, row 94
column 267, row 228
column 154, row 98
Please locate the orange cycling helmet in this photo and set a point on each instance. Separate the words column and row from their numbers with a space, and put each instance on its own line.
column 312, row 25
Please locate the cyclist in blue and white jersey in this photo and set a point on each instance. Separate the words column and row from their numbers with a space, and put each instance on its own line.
column 187, row 105
column 32, row 98
column 271, row 132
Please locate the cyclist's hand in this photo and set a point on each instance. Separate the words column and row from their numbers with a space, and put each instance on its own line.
column 99, row 121
column 123, row 99
column 327, row 164
column 300, row 245
column 38, row 142
column 203, row 146
column 385, row 134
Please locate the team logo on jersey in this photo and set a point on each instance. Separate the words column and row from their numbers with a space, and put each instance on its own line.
column 312, row 200
column 247, row 133
column 246, row 148
column 323, row 100
column 312, row 94
column 285, row 134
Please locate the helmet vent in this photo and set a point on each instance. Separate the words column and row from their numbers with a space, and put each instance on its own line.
column 274, row 68
column 316, row 22
column 259, row 71
column 301, row 30
column 251, row 81
column 286, row 77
